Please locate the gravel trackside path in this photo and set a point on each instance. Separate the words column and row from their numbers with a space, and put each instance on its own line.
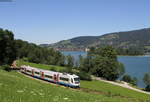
column 124, row 84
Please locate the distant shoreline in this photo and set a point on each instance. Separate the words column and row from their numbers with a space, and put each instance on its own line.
column 117, row 55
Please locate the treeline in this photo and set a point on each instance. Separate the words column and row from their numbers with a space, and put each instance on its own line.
column 7, row 48
column 134, row 42
column 11, row 49
column 36, row 54
column 133, row 51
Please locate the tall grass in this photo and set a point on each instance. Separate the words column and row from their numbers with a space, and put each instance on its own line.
column 114, row 90
column 15, row 87
column 111, row 91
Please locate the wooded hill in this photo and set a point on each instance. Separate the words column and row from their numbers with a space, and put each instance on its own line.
column 137, row 39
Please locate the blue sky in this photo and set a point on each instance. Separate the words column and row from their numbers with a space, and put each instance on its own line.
column 49, row 21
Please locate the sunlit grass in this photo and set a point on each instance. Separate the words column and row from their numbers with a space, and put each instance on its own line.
column 109, row 89
column 42, row 66
column 15, row 87
column 115, row 90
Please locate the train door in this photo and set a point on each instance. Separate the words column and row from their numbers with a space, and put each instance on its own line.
column 42, row 75
column 56, row 77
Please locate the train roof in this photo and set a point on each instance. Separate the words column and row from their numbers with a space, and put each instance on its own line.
column 49, row 71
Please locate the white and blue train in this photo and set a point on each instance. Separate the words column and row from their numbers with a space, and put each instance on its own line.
column 51, row 76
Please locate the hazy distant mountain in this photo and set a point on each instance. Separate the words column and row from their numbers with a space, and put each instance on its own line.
column 117, row 39
column 44, row 45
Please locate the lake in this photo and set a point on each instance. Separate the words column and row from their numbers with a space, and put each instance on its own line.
column 135, row 66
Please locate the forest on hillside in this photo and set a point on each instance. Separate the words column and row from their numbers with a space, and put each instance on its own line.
column 12, row 49
column 136, row 42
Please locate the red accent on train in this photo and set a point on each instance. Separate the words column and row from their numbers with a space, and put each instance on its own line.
column 55, row 77
column 42, row 75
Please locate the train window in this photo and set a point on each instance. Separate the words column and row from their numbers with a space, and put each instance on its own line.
column 64, row 79
column 47, row 76
column 29, row 71
column 37, row 73
column 76, row 79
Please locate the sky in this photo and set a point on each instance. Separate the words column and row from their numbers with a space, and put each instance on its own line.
column 49, row 21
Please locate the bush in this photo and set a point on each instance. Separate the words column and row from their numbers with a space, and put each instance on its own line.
column 25, row 59
column 6, row 68
column 53, row 69
column 147, row 88
column 84, row 76
column 129, row 79
column 67, row 70
column 146, row 79
column 126, row 78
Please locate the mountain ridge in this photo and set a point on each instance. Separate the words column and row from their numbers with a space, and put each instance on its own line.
column 123, row 39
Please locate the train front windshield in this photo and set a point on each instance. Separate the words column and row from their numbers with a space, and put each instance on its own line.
column 76, row 79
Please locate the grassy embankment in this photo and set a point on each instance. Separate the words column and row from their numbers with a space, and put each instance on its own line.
column 15, row 87
column 42, row 66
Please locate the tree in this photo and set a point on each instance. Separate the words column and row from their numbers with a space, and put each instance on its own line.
column 147, row 88
column 131, row 50
column 103, row 63
column 121, row 69
column 84, row 76
column 61, row 60
column 127, row 78
column 146, row 80
column 7, row 48
column 86, row 64
column 106, row 68
column 105, row 51
column 80, row 61
column 70, row 61
column 135, row 81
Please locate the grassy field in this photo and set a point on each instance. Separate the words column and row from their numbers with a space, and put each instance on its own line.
column 102, row 86
column 15, row 87
column 114, row 90
column 42, row 66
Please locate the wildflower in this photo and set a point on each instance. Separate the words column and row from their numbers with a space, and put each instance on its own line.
column 20, row 91
column 65, row 98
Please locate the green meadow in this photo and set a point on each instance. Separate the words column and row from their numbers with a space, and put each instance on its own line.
column 16, row 87
column 41, row 66
column 114, row 90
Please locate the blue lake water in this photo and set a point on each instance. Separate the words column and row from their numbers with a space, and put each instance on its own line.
column 135, row 66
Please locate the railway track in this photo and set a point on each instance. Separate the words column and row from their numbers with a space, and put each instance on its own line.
column 75, row 89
